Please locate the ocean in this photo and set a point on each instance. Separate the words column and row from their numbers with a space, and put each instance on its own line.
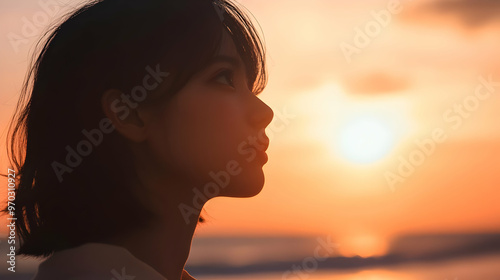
column 420, row 257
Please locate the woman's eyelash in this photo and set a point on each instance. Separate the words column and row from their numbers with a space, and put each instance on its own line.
column 228, row 75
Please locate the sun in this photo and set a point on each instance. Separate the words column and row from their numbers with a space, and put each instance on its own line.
column 365, row 140
column 357, row 130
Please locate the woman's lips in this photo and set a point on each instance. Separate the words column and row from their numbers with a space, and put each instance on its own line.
column 264, row 156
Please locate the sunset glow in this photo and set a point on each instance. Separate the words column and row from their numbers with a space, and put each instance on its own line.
column 363, row 245
column 343, row 121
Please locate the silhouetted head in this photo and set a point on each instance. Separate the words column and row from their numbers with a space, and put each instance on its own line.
column 134, row 107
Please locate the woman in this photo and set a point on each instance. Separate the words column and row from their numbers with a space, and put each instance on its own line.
column 135, row 113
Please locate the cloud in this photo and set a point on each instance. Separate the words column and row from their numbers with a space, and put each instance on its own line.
column 374, row 83
column 470, row 13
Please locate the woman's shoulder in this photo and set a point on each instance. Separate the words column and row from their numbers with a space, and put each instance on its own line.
column 96, row 261
column 186, row 276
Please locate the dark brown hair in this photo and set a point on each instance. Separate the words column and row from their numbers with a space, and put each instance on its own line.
column 107, row 44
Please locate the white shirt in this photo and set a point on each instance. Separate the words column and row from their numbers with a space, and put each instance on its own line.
column 97, row 261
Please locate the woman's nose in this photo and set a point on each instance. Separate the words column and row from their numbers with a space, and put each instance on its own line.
column 262, row 114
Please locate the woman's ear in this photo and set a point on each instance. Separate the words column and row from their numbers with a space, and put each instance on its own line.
column 124, row 115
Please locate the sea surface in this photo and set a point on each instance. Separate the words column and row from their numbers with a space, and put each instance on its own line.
column 476, row 268
column 427, row 257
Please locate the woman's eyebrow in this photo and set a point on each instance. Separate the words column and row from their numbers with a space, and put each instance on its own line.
column 224, row 58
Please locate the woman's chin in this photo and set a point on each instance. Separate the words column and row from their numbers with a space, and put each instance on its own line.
column 247, row 188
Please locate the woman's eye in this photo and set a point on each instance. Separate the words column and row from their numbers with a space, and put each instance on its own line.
column 225, row 77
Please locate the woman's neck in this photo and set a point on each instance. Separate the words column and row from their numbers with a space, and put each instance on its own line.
column 165, row 243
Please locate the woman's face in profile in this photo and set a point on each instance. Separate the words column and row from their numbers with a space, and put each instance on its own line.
column 210, row 135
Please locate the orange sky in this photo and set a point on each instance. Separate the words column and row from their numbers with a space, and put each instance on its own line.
column 413, row 71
